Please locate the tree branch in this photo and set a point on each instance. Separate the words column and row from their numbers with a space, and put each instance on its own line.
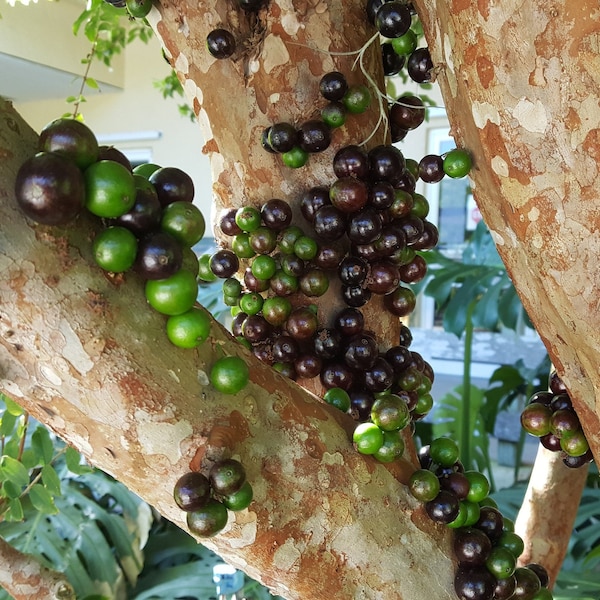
column 23, row 577
column 545, row 520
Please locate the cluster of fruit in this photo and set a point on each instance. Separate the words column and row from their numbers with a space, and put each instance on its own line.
column 151, row 225
column 281, row 261
column 485, row 544
column 206, row 500
column 550, row 417
column 393, row 20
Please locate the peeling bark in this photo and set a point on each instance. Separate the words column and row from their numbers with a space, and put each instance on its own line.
column 82, row 353
column 546, row 518
column 23, row 577
column 521, row 83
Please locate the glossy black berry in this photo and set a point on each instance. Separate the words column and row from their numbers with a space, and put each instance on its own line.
column 353, row 270
column 314, row 136
column 351, row 161
column 420, row 65
column 312, row 200
column 392, row 61
column 282, row 137
column 408, row 112
column 220, row 43
column 329, row 223
column 276, row 214
column 393, row 19
column 333, row 86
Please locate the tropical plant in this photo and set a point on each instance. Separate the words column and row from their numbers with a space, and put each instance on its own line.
column 475, row 293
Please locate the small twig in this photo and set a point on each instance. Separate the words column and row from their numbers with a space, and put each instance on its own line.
column 84, row 79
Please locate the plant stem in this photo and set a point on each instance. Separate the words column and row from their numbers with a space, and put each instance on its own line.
column 467, row 426
column 88, row 60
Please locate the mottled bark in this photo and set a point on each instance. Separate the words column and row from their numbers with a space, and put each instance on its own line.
column 24, row 578
column 521, row 85
column 84, row 354
column 546, row 518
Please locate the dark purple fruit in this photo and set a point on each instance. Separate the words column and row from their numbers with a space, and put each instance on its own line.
column 361, row 402
column 541, row 572
column 361, row 351
column 192, row 491
column 283, row 137
column 392, row 61
column 431, row 168
column 227, row 222
column 380, row 376
column 355, row 295
column 353, row 270
column 475, row 583
column 527, row 584
column 393, row 19
column 337, row 374
column 505, row 588
column 302, row 324
column 285, row 349
column 159, row 256
column 312, row 200
column 420, row 65
column 276, row 214
column 50, row 189
column 329, row 256
column 224, row 263
column 220, row 43
column 471, row 546
column 381, row 195
column 333, row 86
column 401, row 302
column 328, row 343
column 255, row 329
column 365, row 226
column 71, row 139
column 314, row 136
column 145, row 214
column 386, row 162
column 349, row 321
column 112, row 153
column 443, row 508
column 384, row 277
column 490, row 522
column 408, row 112
column 172, row 185
column 349, row 194
column 351, row 161
column 329, row 223
column 308, row 366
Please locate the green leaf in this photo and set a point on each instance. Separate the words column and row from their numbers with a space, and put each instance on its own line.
column 12, row 407
column 13, row 470
column 14, row 511
column 10, row 490
column 51, row 480
column 7, row 423
column 91, row 83
column 455, row 315
column 74, row 462
column 30, row 459
column 485, row 314
column 42, row 445
column 42, row 499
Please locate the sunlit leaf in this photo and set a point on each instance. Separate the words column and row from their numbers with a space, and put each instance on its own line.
column 13, row 470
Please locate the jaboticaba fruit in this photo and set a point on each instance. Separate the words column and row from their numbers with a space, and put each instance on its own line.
column 220, row 43
column 71, row 139
column 50, row 189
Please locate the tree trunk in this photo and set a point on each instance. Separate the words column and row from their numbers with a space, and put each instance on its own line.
column 84, row 355
column 520, row 83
